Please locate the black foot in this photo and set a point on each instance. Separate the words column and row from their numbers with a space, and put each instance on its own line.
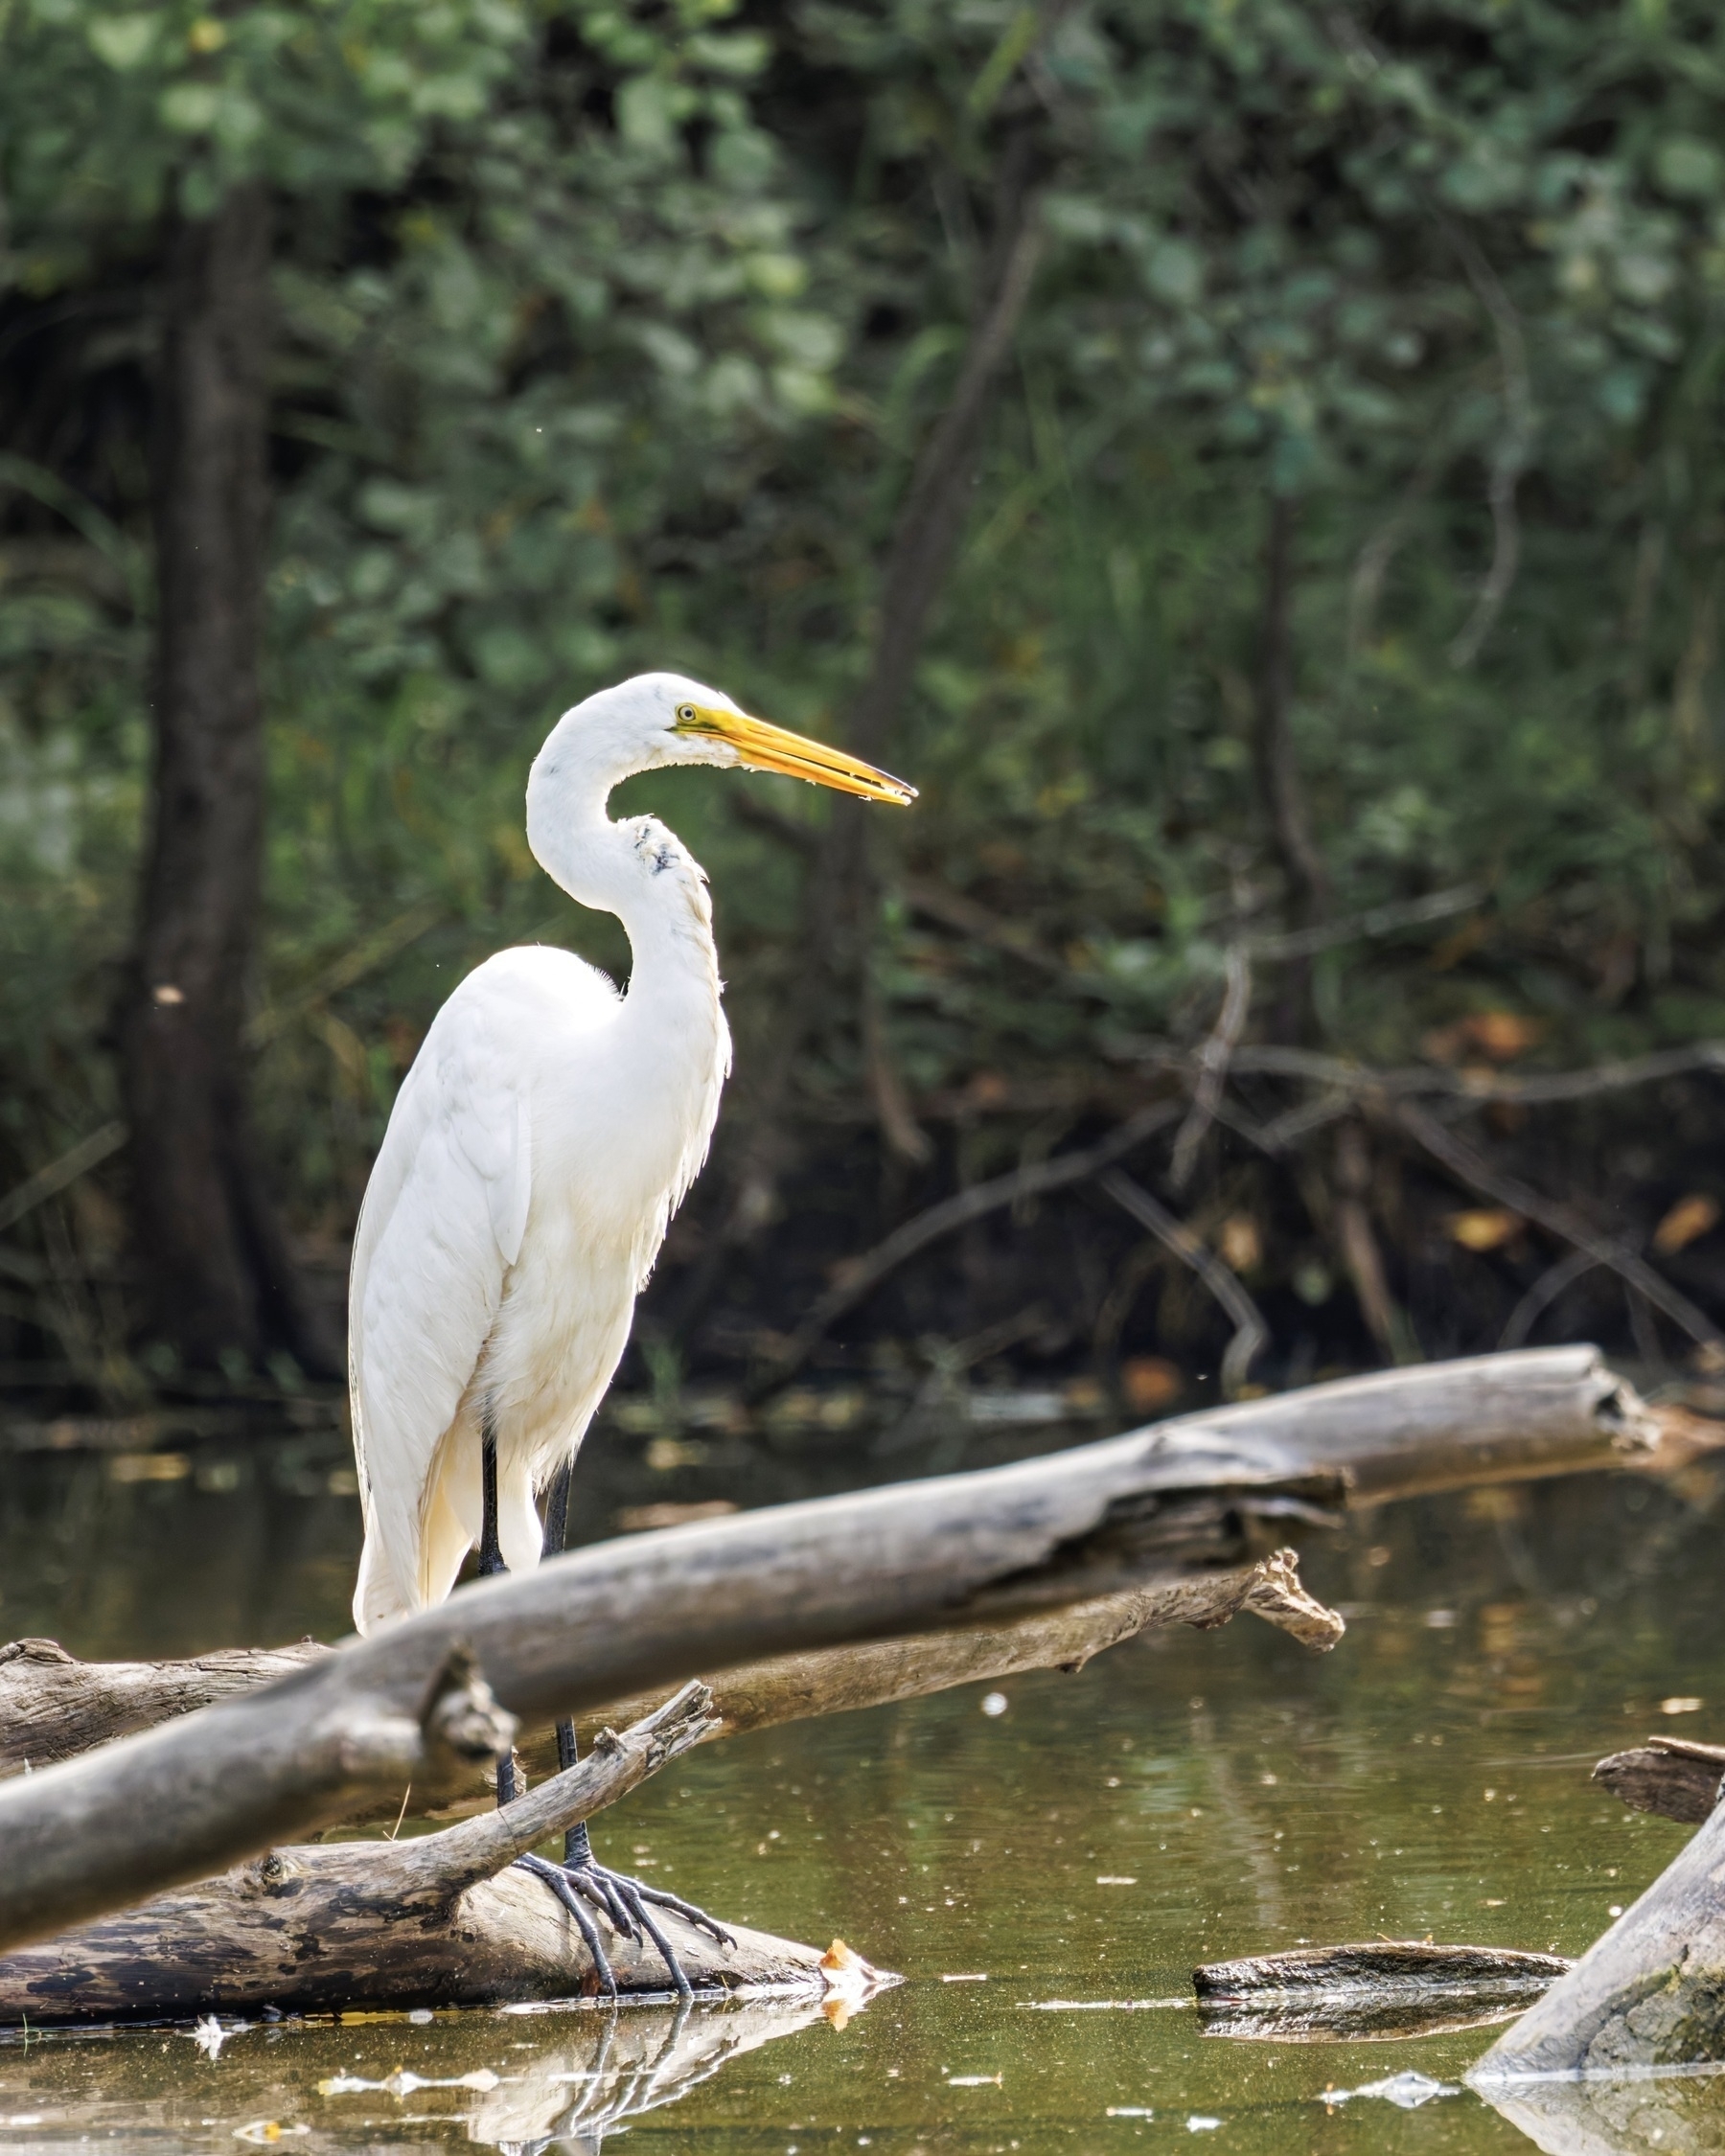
column 627, row 1905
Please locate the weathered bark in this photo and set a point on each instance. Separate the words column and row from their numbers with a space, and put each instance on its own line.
column 54, row 1706
column 1649, row 1993
column 215, row 1270
column 211, row 1788
column 1672, row 1776
column 437, row 1920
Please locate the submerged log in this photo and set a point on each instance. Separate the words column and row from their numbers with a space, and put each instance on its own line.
column 1185, row 1498
column 1370, row 1992
column 1649, row 1993
column 1629, row 2114
column 1673, row 1776
column 1378, row 1968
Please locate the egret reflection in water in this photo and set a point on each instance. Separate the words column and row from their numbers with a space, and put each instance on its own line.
column 520, row 2082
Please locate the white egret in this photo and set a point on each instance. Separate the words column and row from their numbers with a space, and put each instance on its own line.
column 548, row 1129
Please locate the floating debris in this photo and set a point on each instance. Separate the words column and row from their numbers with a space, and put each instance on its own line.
column 209, row 2035
column 401, row 2083
column 974, row 2081
column 1406, row 2090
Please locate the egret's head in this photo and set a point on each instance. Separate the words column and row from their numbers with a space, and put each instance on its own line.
column 659, row 719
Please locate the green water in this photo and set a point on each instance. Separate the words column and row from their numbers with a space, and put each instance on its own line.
column 1190, row 1797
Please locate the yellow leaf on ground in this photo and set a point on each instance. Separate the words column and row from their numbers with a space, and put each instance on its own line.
column 1149, row 1383
column 1688, row 1220
column 1488, row 1229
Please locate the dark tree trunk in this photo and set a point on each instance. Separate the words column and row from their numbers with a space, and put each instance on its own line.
column 1279, row 788
column 214, row 1262
column 1278, row 769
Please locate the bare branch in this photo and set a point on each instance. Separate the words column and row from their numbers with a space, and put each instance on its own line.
column 865, row 1274
column 1214, row 1059
column 1277, row 767
column 1473, row 1169
column 1511, row 456
column 1545, row 1290
column 1250, row 1332
column 1270, row 1060
column 77, row 1160
column 1375, row 921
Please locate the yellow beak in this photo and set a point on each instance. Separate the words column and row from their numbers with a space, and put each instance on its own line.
column 762, row 748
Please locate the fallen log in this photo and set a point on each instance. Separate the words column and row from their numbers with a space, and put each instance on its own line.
column 208, row 1789
column 761, row 1695
column 1651, row 1993
column 439, row 1920
column 1673, row 1776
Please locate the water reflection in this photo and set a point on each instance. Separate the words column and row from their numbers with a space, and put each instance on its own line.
column 519, row 2082
column 1672, row 2114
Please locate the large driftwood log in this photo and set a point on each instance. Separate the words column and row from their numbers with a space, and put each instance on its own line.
column 184, row 1799
column 1649, row 1993
column 437, row 1920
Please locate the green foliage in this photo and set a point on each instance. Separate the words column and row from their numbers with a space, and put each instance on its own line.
column 606, row 338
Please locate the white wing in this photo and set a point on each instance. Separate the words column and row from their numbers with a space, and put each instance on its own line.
column 443, row 1219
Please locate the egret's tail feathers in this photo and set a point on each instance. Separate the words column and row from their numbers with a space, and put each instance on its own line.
column 377, row 1598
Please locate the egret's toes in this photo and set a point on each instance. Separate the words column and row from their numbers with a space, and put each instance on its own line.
column 627, row 1905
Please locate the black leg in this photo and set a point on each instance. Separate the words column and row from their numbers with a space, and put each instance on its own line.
column 490, row 1560
column 625, row 1903
column 578, row 1847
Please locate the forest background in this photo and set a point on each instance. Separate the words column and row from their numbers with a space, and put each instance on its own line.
column 1254, row 465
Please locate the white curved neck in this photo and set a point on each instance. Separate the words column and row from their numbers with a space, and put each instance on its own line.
column 638, row 870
